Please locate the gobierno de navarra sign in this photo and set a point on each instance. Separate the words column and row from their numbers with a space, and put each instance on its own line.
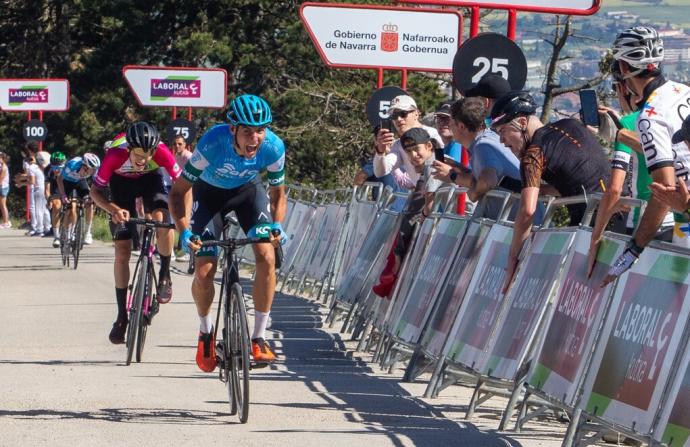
column 366, row 36
column 22, row 95
column 177, row 86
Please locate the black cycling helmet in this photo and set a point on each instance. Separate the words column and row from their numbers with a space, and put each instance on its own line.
column 511, row 105
column 144, row 135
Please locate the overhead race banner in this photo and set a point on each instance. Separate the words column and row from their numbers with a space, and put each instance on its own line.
column 576, row 316
column 527, row 301
column 646, row 320
column 177, row 87
column 567, row 7
column 23, row 95
column 420, row 299
column 483, row 302
column 367, row 36
column 456, row 285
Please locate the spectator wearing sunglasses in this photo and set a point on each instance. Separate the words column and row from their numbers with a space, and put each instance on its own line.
column 390, row 155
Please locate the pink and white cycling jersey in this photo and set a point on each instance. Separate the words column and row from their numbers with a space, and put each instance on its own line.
column 117, row 161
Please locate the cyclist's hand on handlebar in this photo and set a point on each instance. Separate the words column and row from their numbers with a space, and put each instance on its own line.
column 189, row 241
column 120, row 216
column 65, row 200
column 277, row 234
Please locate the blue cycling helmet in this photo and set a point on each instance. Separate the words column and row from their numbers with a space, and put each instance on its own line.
column 249, row 110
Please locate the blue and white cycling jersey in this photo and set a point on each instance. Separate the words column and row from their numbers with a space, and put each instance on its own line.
column 215, row 161
column 71, row 172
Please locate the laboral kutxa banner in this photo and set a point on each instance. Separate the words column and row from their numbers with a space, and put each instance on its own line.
column 21, row 95
column 527, row 301
column 575, row 318
column 641, row 335
column 674, row 426
column 177, row 87
column 482, row 304
column 367, row 36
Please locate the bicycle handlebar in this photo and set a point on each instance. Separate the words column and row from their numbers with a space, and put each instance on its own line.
column 234, row 243
column 150, row 223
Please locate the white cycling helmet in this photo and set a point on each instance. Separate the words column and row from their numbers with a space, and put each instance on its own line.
column 91, row 160
column 640, row 46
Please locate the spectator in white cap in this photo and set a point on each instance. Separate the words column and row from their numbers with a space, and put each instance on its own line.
column 390, row 155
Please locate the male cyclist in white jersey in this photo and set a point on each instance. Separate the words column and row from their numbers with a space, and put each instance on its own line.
column 663, row 106
column 223, row 175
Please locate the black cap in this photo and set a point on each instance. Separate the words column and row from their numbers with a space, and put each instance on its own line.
column 443, row 109
column 491, row 86
column 512, row 105
column 414, row 136
column 684, row 133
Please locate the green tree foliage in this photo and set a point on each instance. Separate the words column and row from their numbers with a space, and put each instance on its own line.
column 319, row 112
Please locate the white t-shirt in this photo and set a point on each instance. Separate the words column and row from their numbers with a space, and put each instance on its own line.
column 397, row 158
column 36, row 172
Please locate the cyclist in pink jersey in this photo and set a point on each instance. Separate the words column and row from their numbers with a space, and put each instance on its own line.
column 132, row 168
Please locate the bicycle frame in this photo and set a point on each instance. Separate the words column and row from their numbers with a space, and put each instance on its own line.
column 147, row 248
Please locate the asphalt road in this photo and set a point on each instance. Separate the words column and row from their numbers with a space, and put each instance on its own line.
column 63, row 384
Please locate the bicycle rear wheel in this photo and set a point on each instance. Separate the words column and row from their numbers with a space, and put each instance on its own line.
column 78, row 239
column 143, row 324
column 135, row 312
column 239, row 340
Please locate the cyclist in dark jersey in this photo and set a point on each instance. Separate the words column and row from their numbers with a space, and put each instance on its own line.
column 564, row 154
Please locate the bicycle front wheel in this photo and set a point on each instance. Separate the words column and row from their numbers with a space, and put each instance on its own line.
column 135, row 312
column 240, row 343
column 143, row 323
column 78, row 239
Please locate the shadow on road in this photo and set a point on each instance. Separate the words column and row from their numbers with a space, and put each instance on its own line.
column 153, row 416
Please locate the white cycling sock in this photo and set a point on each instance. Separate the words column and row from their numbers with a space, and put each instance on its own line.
column 260, row 323
column 88, row 228
column 206, row 325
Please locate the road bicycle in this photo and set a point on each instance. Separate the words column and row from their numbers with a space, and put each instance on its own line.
column 234, row 345
column 72, row 246
column 141, row 299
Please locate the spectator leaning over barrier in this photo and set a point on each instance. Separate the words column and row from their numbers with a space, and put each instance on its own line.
column 389, row 152
column 492, row 164
column 419, row 146
column 564, row 154
column 4, row 190
column 489, row 88
column 366, row 174
column 623, row 159
column 442, row 120
column 663, row 106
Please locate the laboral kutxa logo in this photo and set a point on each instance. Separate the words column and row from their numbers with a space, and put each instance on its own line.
column 34, row 94
column 389, row 38
column 175, row 87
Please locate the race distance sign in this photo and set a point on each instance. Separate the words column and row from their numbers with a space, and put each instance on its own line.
column 177, row 87
column 365, row 36
column 22, row 95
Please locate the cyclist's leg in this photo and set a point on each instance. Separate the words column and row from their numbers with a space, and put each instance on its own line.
column 55, row 208
column 155, row 198
column 254, row 211
column 122, row 192
column 207, row 222
column 71, row 216
column 83, row 191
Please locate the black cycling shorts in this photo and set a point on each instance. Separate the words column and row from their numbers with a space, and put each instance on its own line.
column 81, row 187
column 249, row 202
column 124, row 192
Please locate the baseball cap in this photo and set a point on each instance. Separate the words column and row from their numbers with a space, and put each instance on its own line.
column 684, row 133
column 414, row 136
column 41, row 159
column 402, row 102
column 491, row 86
column 443, row 109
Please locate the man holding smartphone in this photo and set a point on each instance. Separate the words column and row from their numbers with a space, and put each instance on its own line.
column 390, row 155
column 663, row 106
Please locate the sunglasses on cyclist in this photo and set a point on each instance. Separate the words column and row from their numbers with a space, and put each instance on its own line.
column 400, row 114
column 139, row 152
